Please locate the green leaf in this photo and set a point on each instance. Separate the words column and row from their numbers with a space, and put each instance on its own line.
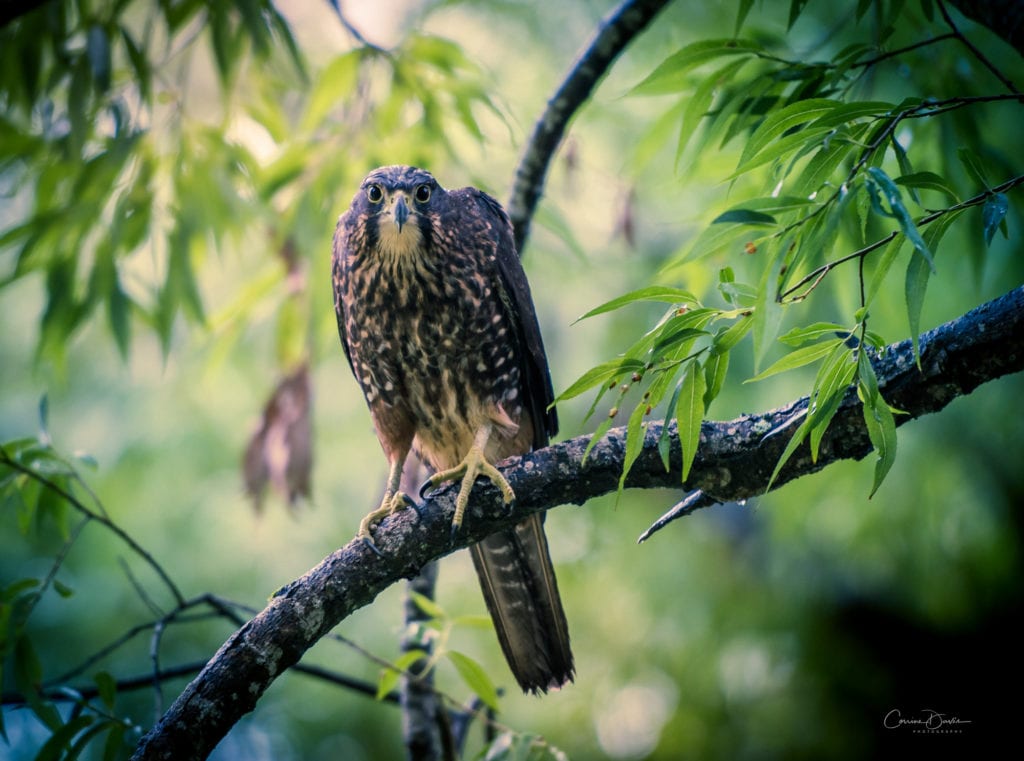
column 745, row 217
column 670, row 75
column 798, row 358
column 927, row 181
column 427, row 606
column 780, row 122
column 767, row 310
column 62, row 589
column 834, row 378
column 916, row 280
column 975, row 167
column 879, row 420
column 716, row 366
column 59, row 744
column 658, row 293
column 389, row 677
column 106, row 686
column 664, row 443
column 690, row 413
column 813, row 332
column 993, row 213
column 741, row 15
column 878, row 180
column 475, row 677
column 635, row 431
column 601, row 374
column 334, row 87
column 699, row 103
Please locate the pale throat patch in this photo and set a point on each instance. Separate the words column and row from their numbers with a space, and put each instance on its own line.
column 393, row 243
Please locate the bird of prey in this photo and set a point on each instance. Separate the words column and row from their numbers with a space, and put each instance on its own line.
column 437, row 323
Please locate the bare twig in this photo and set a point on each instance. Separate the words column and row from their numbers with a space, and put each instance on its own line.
column 614, row 34
column 100, row 518
column 976, row 52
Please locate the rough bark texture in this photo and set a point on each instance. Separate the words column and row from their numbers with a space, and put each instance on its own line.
column 734, row 462
column 614, row 34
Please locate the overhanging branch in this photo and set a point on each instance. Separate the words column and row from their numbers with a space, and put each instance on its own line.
column 734, row 461
column 612, row 37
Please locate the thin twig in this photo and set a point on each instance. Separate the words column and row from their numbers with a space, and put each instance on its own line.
column 977, row 51
column 815, row 276
column 355, row 33
column 614, row 34
column 77, row 504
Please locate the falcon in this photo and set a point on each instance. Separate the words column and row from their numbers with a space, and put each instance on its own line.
column 437, row 323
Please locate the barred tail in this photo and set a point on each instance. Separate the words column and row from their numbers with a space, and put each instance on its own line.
column 521, row 593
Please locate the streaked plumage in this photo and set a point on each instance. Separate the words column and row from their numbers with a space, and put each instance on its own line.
column 436, row 319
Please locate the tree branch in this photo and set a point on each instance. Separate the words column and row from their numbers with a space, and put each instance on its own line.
column 1004, row 17
column 614, row 34
column 734, row 462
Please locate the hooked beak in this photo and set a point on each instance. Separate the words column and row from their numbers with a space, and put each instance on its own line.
column 401, row 212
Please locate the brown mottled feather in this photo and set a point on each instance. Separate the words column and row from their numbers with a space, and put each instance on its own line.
column 440, row 331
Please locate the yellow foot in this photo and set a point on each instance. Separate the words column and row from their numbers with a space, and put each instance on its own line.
column 390, row 504
column 474, row 465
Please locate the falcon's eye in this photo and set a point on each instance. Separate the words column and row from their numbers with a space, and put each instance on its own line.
column 422, row 193
column 375, row 193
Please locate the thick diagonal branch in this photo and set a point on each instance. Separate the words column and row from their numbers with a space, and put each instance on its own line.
column 734, row 461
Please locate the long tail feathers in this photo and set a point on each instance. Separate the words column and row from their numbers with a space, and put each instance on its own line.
column 521, row 593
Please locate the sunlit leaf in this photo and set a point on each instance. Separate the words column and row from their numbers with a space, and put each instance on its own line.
column 475, row 677
column 600, row 374
column 798, row 358
column 670, row 74
column 658, row 293
column 690, row 413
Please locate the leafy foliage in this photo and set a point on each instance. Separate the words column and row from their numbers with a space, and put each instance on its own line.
column 828, row 152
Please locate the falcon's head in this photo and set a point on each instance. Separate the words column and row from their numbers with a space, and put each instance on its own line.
column 397, row 203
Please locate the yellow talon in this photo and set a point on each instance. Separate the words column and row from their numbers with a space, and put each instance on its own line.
column 474, row 464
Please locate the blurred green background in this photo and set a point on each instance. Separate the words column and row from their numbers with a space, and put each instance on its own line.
column 785, row 628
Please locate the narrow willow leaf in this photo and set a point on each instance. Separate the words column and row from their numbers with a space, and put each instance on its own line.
column 635, row 431
column 690, row 413
column 670, row 75
column 727, row 339
column 780, row 122
column 744, row 217
column 880, row 180
column 975, row 168
column 821, row 166
column 741, row 15
column 600, row 374
column 798, row 358
column 664, row 445
column 475, row 677
column 879, row 421
column 720, row 236
column 798, row 438
column 681, row 339
column 659, row 293
column 993, row 213
column 715, row 369
column 699, row 102
column 927, row 181
column 813, row 332
column 889, row 254
column 427, row 606
column 767, row 309
column 917, row 275
column 333, row 87
column 904, row 163
column 834, row 378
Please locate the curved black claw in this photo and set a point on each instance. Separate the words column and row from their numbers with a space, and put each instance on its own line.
column 427, row 486
column 454, row 533
column 416, row 506
column 369, row 543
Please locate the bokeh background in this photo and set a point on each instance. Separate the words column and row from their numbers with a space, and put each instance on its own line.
column 784, row 628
